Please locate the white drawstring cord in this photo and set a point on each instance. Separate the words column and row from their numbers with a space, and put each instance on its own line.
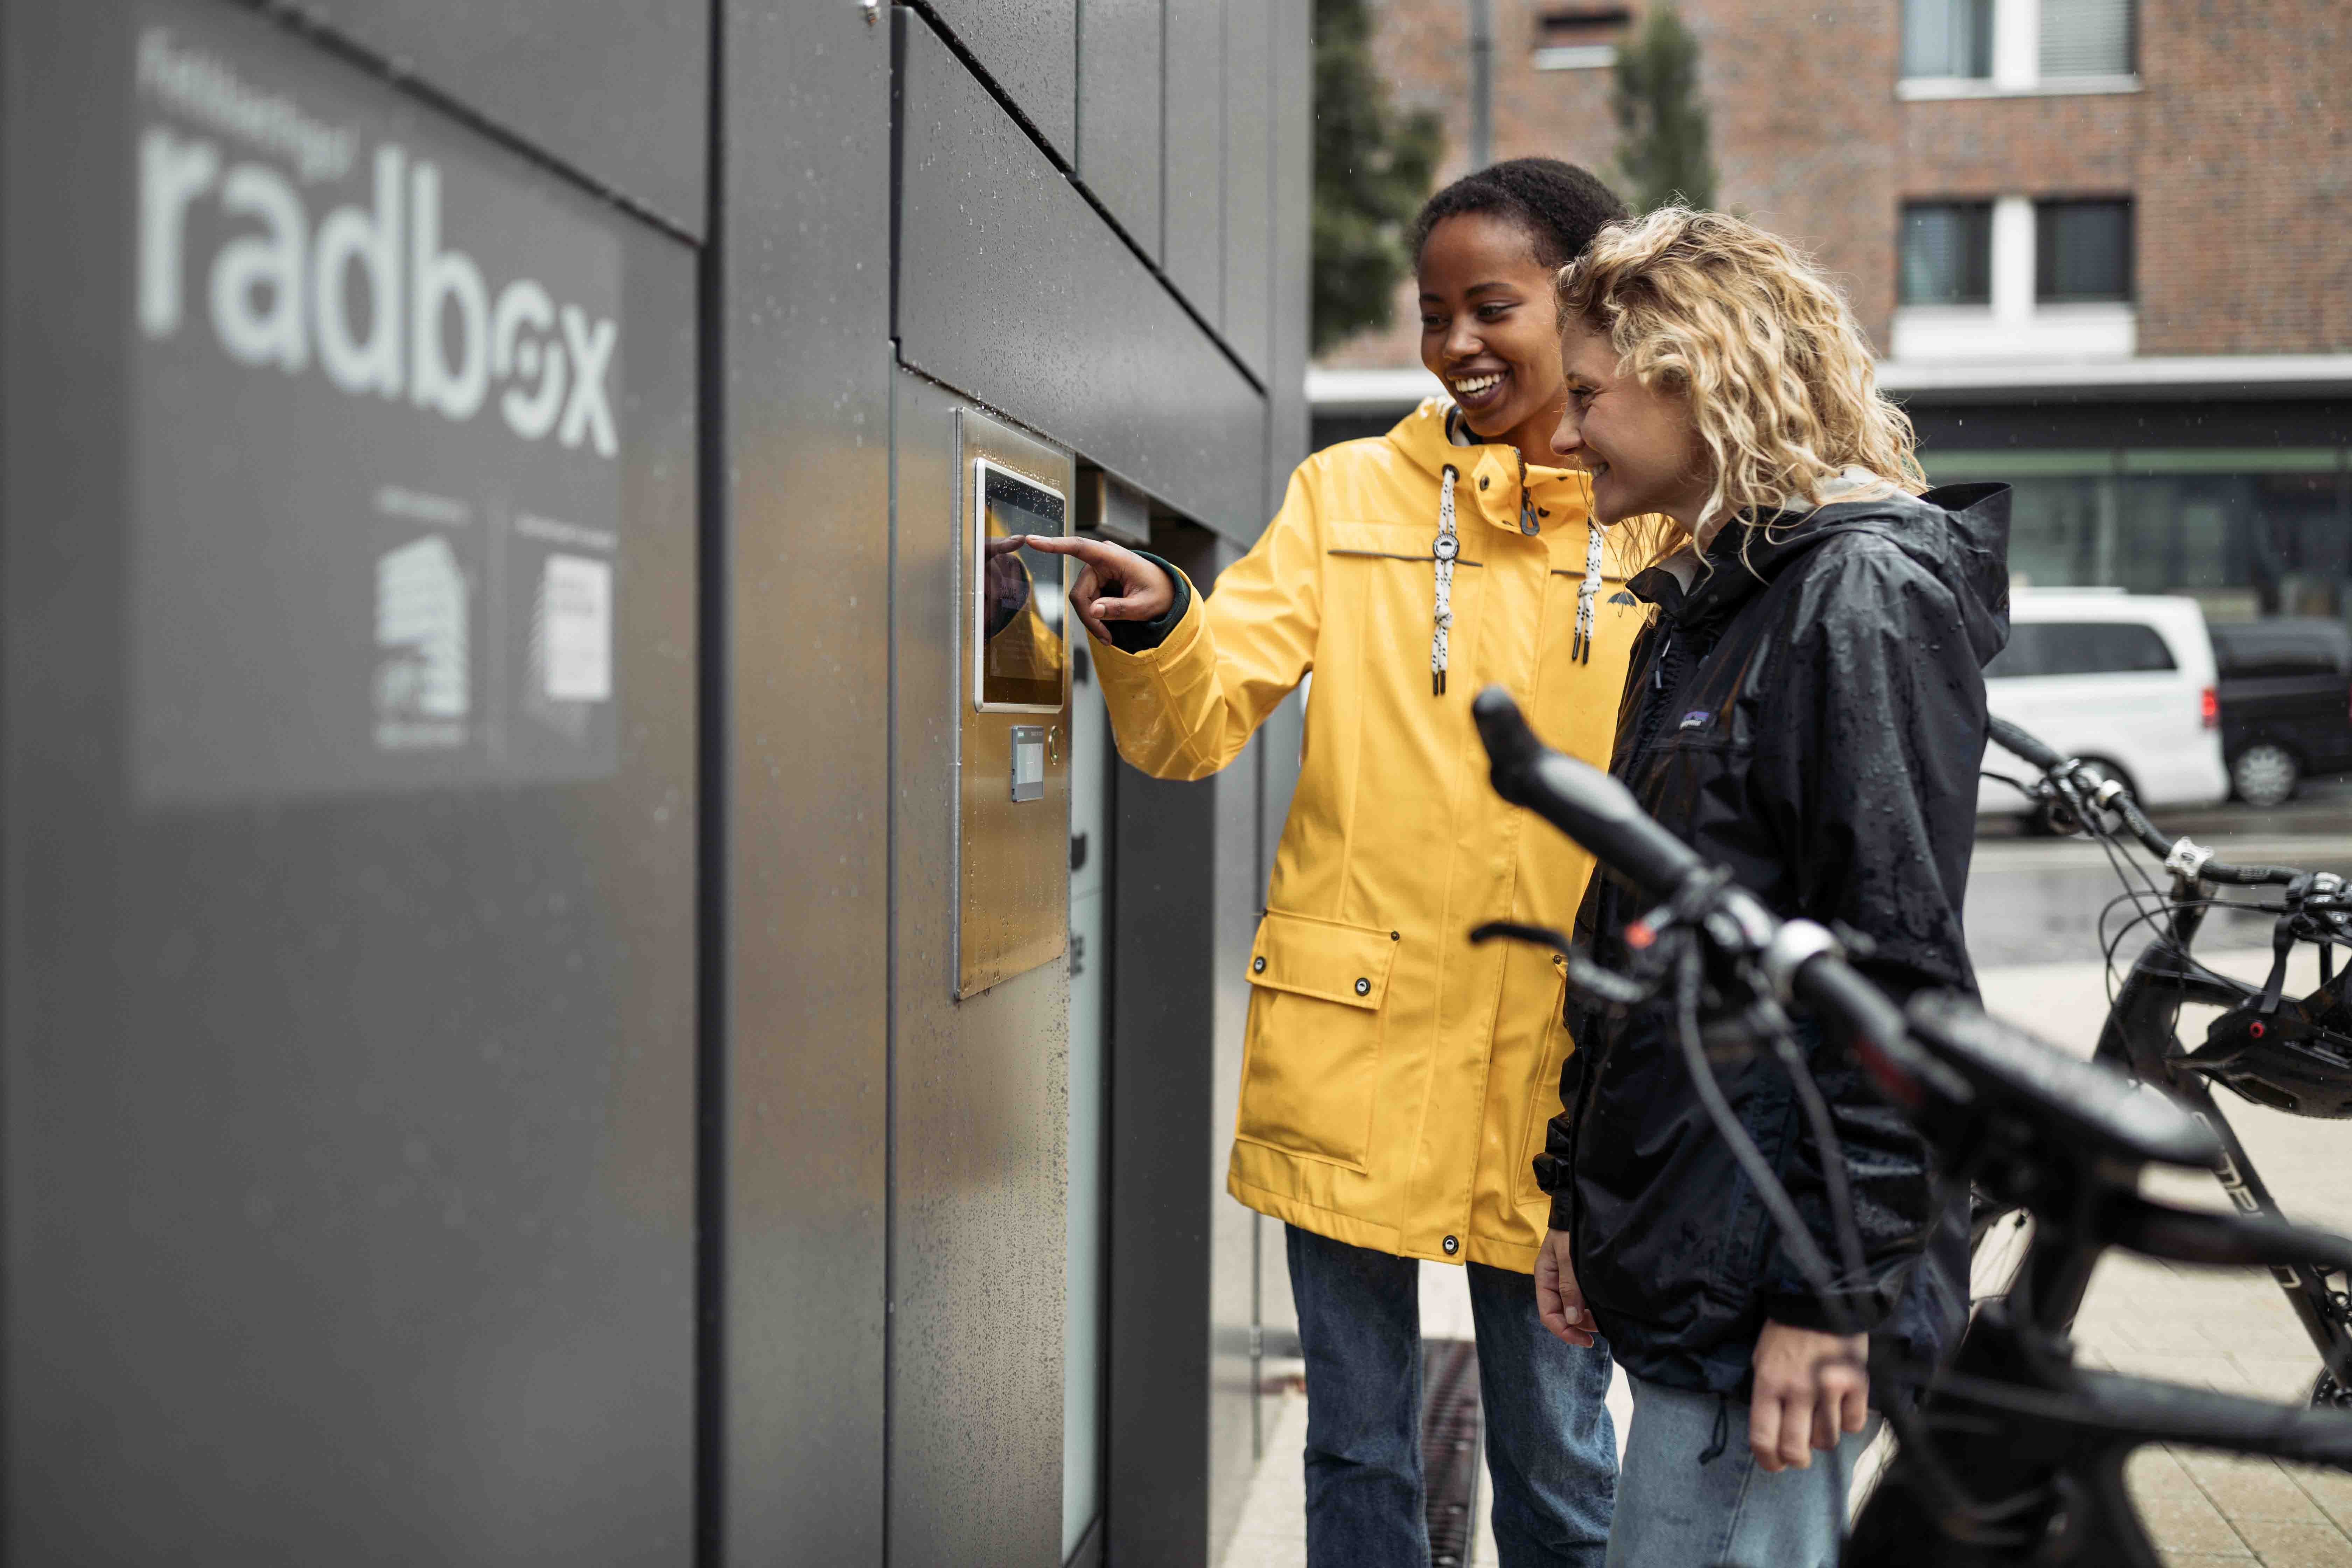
column 1581, row 649
column 1444, row 550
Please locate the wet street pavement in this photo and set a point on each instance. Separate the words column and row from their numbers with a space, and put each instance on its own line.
column 2038, row 900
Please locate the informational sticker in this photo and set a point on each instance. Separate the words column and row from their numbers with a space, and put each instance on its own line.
column 377, row 430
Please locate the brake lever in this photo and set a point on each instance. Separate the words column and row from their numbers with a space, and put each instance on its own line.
column 1614, row 992
column 1515, row 931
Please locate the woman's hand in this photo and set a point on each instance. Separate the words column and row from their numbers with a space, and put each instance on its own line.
column 1810, row 1388
column 1117, row 585
column 1558, row 1302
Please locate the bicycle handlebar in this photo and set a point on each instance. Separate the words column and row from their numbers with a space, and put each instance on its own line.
column 1579, row 800
column 2066, row 774
column 2012, row 739
column 1948, row 1065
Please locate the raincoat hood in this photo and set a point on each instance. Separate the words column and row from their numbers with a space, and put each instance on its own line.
column 1959, row 533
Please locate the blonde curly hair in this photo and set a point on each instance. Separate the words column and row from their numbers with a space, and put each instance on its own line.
column 1780, row 383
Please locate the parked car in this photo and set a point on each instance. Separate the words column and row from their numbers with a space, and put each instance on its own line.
column 2286, row 706
column 2124, row 681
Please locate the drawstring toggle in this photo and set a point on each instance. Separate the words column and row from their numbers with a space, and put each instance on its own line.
column 1446, row 547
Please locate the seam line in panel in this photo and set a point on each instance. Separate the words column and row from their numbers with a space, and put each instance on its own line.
column 715, row 503
column 890, row 963
column 1004, row 100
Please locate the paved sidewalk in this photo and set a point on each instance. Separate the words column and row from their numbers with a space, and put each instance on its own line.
column 1273, row 1528
column 2226, row 1329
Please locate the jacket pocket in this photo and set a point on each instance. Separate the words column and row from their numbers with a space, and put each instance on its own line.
column 1317, row 1013
column 1557, row 1049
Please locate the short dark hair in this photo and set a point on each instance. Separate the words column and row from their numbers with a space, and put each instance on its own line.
column 1561, row 205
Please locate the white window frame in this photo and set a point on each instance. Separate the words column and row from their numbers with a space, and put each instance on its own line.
column 2014, row 328
column 1574, row 57
column 2016, row 65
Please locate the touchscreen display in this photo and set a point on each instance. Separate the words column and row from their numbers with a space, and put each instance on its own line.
column 1020, row 613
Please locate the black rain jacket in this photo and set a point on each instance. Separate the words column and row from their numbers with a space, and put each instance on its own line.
column 1813, row 717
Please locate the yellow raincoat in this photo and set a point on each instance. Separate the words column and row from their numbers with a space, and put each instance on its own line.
column 1397, row 1080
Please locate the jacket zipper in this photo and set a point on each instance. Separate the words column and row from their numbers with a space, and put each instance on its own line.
column 1653, row 708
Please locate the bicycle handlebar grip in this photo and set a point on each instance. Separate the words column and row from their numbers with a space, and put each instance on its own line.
column 2009, row 737
column 2249, row 876
column 1579, row 799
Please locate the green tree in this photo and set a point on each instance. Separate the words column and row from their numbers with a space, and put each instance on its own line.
column 1373, row 166
column 1662, row 144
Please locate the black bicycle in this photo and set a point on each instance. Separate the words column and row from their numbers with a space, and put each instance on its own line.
column 2289, row 1053
column 2013, row 1454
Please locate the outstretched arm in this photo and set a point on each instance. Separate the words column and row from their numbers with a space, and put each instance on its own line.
column 1189, row 680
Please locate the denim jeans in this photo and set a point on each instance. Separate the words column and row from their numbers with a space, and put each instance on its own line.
column 1676, row 1510
column 1550, row 1445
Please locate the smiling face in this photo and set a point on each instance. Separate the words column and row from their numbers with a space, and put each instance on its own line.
column 1488, row 329
column 1636, row 441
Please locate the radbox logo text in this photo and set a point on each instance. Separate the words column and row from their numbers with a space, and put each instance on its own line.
column 372, row 294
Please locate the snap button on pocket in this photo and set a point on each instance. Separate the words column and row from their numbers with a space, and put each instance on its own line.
column 1482, row 481
column 1363, row 987
column 1451, row 1246
column 1257, row 966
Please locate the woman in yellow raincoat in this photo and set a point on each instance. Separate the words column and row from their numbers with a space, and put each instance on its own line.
column 1397, row 1080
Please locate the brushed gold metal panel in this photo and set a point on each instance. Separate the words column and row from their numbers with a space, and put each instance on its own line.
column 1013, row 904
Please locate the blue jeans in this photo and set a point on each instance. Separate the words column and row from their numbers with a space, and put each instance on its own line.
column 1550, row 1445
column 1676, row 1509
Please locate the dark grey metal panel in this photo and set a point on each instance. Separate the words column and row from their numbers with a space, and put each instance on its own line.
column 1193, row 223
column 1030, row 50
column 1163, row 1099
column 804, row 324
column 1249, row 182
column 979, row 1131
column 615, row 89
column 1185, row 897
column 1120, row 80
column 1013, row 289
column 348, row 1143
column 1294, row 197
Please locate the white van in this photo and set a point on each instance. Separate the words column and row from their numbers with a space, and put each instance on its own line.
column 2124, row 681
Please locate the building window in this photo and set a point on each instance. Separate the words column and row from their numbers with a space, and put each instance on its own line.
column 1947, row 37
column 1947, row 253
column 2086, row 39
column 1579, row 37
column 2081, row 252
column 1977, row 49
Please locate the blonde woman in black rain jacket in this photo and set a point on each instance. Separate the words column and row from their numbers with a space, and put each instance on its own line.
column 1807, row 708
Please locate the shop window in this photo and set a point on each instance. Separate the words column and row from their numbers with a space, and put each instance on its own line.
column 1947, row 37
column 2086, row 38
column 2081, row 252
column 1947, row 253
column 2251, row 531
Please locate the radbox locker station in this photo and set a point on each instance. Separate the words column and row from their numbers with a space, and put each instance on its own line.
column 577, row 981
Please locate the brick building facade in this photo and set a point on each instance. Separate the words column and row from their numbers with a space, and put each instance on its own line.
column 2105, row 247
column 2229, row 133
